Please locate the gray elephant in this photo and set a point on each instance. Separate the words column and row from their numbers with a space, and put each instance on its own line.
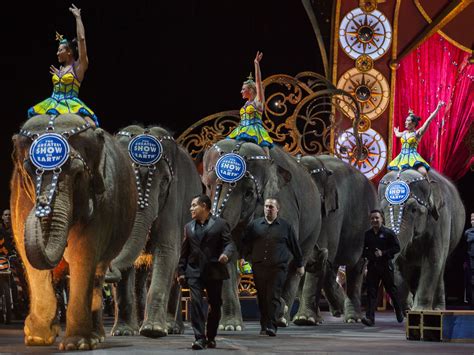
column 167, row 187
column 72, row 196
column 429, row 220
column 347, row 199
column 279, row 176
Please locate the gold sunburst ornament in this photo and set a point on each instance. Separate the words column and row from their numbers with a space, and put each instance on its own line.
column 364, row 63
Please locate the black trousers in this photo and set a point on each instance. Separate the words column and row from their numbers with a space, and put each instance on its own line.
column 198, row 309
column 375, row 273
column 269, row 281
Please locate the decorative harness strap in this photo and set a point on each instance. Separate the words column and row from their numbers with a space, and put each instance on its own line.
column 144, row 191
column 217, row 211
column 43, row 208
column 396, row 224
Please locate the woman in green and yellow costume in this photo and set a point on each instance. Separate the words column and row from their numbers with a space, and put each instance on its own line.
column 409, row 158
column 250, row 128
column 72, row 55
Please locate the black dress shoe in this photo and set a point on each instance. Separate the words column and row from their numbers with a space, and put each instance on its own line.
column 400, row 316
column 368, row 322
column 211, row 344
column 199, row 344
column 271, row 332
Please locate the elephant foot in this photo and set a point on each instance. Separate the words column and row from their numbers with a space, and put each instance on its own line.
column 175, row 327
column 153, row 330
column 307, row 317
column 40, row 335
column 231, row 325
column 352, row 319
column 123, row 329
column 78, row 343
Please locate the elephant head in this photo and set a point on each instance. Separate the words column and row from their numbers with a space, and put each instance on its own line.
column 325, row 181
column 414, row 217
column 237, row 201
column 63, row 196
column 154, row 182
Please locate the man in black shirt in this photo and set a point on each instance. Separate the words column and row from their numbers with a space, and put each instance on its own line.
column 380, row 246
column 207, row 247
column 270, row 241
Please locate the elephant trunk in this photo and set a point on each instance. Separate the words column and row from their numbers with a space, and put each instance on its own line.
column 137, row 241
column 46, row 238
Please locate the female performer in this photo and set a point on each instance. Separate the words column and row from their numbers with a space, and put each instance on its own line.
column 72, row 57
column 409, row 158
column 250, row 128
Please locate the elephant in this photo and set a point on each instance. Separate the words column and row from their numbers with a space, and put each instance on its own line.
column 347, row 198
column 276, row 176
column 158, row 229
column 429, row 225
column 82, row 211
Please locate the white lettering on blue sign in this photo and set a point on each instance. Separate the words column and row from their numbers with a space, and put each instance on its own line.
column 397, row 192
column 145, row 149
column 230, row 167
column 49, row 151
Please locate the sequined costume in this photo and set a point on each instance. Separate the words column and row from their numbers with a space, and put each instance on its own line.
column 250, row 127
column 408, row 158
column 64, row 98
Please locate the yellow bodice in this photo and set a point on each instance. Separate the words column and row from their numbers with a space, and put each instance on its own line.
column 66, row 86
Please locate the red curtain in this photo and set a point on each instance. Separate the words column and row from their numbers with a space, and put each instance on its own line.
column 438, row 70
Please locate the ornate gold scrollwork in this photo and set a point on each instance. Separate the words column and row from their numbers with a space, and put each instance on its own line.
column 300, row 114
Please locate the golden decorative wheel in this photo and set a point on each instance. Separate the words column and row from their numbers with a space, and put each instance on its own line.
column 369, row 88
column 247, row 285
column 371, row 160
column 365, row 33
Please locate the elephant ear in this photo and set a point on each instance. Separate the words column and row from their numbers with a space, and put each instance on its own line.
column 331, row 199
column 435, row 201
column 99, row 172
column 278, row 178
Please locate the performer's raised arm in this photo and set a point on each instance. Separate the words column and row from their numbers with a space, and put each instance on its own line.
column 81, row 43
column 258, row 78
column 422, row 130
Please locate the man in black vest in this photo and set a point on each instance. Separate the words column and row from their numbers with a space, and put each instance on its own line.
column 380, row 246
column 206, row 248
column 270, row 241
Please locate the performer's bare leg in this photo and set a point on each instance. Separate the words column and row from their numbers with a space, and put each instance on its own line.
column 267, row 151
column 421, row 169
column 90, row 121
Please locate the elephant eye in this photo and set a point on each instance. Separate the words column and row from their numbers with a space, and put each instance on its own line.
column 249, row 193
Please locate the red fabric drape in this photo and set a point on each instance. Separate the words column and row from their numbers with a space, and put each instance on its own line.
column 438, row 70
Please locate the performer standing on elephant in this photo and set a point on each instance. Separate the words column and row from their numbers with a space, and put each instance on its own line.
column 73, row 60
column 270, row 241
column 380, row 246
column 206, row 248
column 250, row 128
column 409, row 158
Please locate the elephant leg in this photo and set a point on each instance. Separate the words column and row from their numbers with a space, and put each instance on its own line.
column 439, row 302
column 97, row 308
column 309, row 296
column 401, row 278
column 231, row 314
column 165, row 262
column 354, row 278
column 431, row 272
column 41, row 327
column 333, row 292
column 125, row 306
column 79, row 332
column 288, row 295
column 175, row 323
column 141, row 276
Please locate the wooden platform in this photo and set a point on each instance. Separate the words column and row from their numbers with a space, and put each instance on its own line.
column 445, row 326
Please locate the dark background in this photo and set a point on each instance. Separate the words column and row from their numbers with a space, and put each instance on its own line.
column 167, row 62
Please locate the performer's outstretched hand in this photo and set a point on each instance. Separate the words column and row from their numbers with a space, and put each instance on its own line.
column 75, row 11
column 258, row 57
column 395, row 129
column 53, row 70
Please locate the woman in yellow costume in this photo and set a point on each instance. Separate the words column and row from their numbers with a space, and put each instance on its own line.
column 72, row 55
column 250, row 128
column 409, row 158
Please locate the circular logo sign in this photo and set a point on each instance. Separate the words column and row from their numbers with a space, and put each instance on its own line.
column 230, row 167
column 397, row 192
column 145, row 149
column 49, row 151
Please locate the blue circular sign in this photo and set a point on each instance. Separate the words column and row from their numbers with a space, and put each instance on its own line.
column 49, row 151
column 230, row 167
column 397, row 192
column 145, row 149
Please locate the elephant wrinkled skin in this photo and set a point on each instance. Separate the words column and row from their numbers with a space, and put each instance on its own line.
column 92, row 216
column 431, row 225
column 347, row 198
column 159, row 229
column 281, row 177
